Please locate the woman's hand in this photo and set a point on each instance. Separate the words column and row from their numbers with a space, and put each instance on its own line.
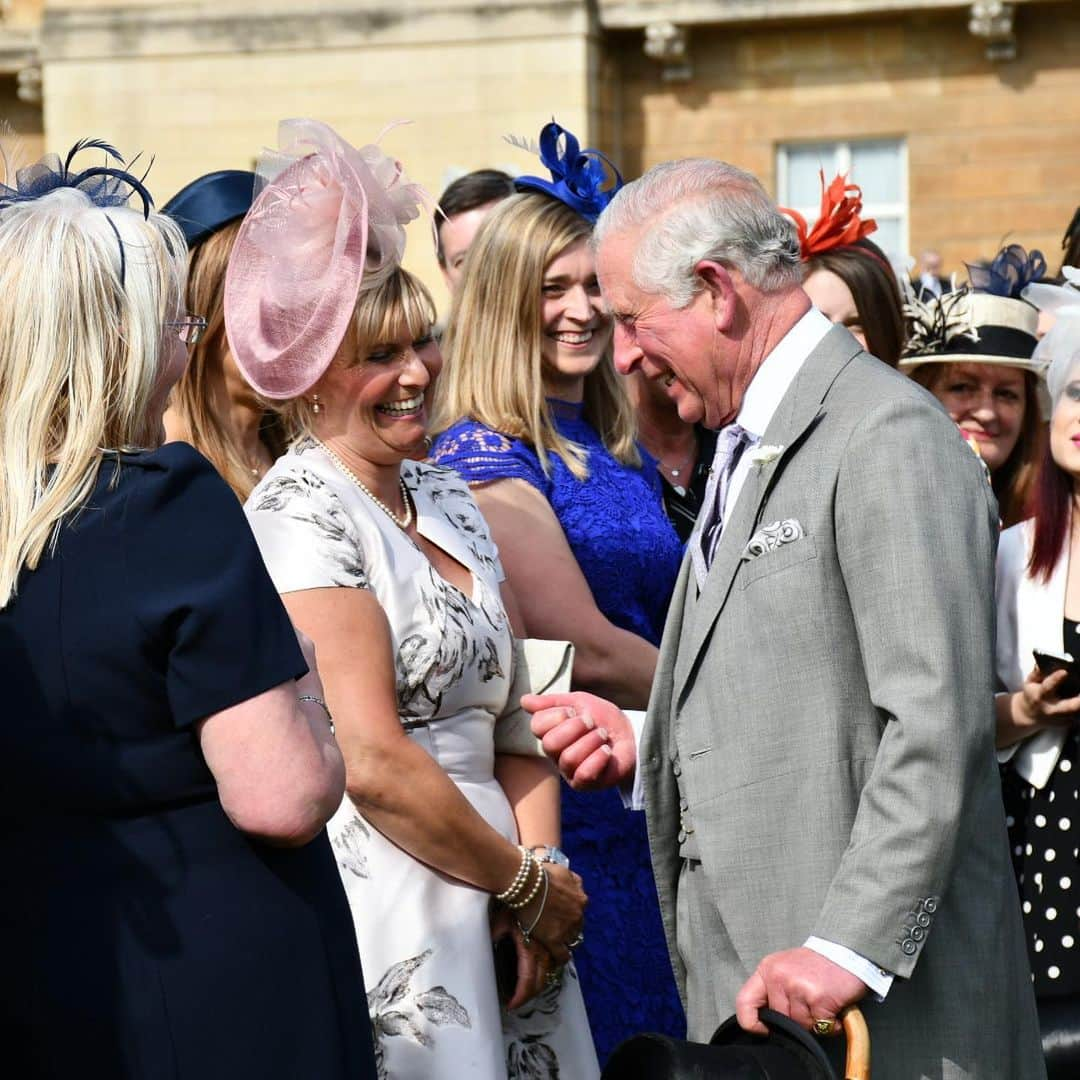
column 1039, row 703
column 535, row 965
column 1035, row 707
column 561, row 916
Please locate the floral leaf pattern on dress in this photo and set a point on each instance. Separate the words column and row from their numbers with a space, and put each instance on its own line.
column 528, row 1055
column 412, row 1010
column 531, row 1059
column 441, row 1007
column 307, row 499
column 349, row 845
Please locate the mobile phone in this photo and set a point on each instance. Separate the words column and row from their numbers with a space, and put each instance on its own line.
column 506, row 964
column 1050, row 662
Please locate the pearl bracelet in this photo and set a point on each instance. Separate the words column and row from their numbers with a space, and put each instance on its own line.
column 510, row 894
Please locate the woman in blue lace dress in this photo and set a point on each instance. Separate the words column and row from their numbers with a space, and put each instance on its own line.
column 533, row 416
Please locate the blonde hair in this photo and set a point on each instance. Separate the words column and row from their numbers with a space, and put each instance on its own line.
column 399, row 301
column 84, row 293
column 193, row 396
column 494, row 365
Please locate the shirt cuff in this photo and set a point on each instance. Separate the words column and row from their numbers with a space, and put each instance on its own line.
column 876, row 978
column 633, row 795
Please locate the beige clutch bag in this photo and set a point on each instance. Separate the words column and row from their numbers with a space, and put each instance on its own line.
column 540, row 667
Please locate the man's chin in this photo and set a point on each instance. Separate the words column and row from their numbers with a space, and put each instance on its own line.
column 690, row 409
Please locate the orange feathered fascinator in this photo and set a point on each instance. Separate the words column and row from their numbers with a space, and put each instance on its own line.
column 838, row 225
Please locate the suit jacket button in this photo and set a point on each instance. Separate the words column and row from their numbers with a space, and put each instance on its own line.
column 682, row 836
column 909, row 947
column 676, row 768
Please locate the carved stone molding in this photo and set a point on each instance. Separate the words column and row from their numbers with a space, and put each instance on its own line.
column 667, row 44
column 993, row 20
column 28, row 84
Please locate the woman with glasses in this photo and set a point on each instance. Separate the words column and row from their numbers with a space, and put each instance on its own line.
column 212, row 406
column 170, row 903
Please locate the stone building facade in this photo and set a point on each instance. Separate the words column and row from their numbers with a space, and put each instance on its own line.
column 960, row 118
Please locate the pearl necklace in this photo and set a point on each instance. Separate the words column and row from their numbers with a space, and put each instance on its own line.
column 401, row 522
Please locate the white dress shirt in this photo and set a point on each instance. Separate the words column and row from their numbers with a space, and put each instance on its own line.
column 762, row 398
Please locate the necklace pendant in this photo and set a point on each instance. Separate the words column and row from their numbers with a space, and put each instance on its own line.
column 675, row 472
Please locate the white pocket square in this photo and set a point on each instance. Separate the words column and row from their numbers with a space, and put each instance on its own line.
column 770, row 537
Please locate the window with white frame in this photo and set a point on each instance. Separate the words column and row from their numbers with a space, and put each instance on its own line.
column 878, row 166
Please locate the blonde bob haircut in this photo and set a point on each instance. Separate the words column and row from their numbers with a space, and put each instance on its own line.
column 80, row 355
column 494, row 364
column 391, row 305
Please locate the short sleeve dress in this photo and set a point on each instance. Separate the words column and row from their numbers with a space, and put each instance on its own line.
column 145, row 936
column 629, row 552
column 425, row 939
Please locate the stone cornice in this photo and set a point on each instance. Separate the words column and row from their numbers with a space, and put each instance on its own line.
column 19, row 48
column 233, row 26
column 635, row 14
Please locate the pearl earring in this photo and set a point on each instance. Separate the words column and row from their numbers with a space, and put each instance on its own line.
column 315, row 406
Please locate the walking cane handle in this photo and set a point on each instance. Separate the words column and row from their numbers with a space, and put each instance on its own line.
column 858, row 1044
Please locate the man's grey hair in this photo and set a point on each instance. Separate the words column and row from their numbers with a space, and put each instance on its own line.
column 698, row 209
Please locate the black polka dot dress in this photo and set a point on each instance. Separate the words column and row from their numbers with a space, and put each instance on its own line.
column 1044, row 834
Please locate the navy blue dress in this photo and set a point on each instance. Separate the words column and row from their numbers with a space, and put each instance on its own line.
column 629, row 553
column 144, row 935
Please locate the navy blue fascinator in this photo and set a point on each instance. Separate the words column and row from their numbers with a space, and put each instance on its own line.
column 1011, row 271
column 583, row 179
column 209, row 203
column 106, row 185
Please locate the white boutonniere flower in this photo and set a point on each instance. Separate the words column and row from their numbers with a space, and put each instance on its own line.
column 765, row 455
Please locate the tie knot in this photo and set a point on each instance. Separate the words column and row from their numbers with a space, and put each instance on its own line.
column 732, row 437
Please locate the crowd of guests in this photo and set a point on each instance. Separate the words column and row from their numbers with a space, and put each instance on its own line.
column 280, row 559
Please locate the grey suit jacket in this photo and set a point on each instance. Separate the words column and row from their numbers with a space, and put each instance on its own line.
column 830, row 706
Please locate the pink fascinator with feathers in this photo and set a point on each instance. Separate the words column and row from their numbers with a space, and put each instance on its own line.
column 326, row 217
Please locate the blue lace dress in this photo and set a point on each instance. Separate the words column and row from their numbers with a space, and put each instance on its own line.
column 629, row 553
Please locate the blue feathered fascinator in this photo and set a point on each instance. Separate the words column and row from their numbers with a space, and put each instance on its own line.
column 585, row 180
column 1010, row 272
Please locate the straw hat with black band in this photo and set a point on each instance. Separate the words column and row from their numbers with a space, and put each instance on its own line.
column 986, row 322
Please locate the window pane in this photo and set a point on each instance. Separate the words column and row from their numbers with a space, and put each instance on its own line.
column 804, row 164
column 875, row 167
column 887, row 236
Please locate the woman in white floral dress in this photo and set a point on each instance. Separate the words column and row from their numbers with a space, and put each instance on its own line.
column 388, row 566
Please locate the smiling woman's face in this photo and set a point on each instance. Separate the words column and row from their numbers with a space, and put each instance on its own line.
column 574, row 326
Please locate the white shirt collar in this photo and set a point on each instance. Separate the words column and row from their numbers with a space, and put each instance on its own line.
column 778, row 370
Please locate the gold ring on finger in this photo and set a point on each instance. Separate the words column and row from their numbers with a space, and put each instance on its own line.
column 824, row 1027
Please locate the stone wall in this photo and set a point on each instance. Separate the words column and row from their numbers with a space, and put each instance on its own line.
column 993, row 153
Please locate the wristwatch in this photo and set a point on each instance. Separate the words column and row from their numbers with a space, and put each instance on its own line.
column 546, row 854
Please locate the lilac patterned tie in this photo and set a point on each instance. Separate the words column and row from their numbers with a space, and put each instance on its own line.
column 730, row 446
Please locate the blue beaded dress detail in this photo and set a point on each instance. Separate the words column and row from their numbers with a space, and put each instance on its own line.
column 629, row 553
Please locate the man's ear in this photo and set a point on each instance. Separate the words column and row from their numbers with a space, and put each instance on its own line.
column 719, row 285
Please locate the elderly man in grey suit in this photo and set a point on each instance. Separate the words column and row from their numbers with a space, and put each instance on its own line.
column 817, row 762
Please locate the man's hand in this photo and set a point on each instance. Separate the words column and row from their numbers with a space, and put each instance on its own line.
column 590, row 739
column 799, row 983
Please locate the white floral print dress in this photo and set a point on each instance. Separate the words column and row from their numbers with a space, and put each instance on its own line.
column 425, row 940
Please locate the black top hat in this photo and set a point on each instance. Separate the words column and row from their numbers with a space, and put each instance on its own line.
column 786, row 1053
column 211, row 202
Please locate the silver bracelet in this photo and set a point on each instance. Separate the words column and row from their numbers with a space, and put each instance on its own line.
column 526, row 934
column 322, row 705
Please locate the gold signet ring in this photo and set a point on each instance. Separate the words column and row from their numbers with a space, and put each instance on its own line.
column 824, row 1027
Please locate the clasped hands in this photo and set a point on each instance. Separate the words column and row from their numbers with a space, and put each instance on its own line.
column 558, row 923
column 592, row 742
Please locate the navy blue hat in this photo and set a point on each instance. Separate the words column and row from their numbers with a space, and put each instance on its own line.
column 211, row 202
